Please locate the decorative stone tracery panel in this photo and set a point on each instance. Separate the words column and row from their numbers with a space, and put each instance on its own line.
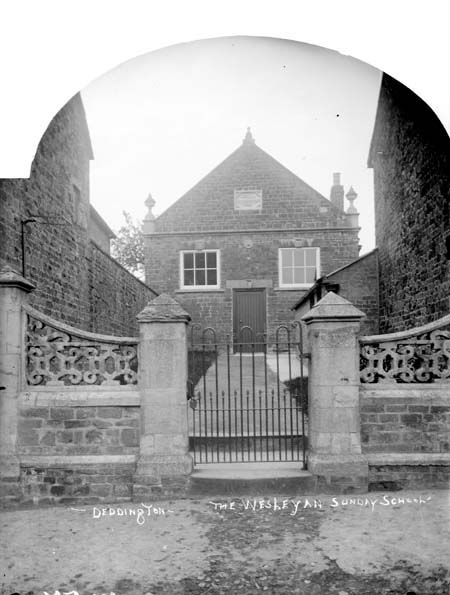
column 60, row 355
column 411, row 357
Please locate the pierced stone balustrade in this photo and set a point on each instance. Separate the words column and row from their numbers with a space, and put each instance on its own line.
column 419, row 355
column 57, row 354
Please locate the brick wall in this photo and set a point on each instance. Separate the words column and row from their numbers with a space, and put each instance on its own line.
column 405, row 418
column 258, row 263
column 410, row 154
column 115, row 296
column 76, row 282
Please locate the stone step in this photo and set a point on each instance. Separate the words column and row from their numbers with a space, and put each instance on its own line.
column 257, row 480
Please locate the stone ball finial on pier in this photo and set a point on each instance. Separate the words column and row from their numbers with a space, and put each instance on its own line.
column 352, row 213
column 351, row 196
column 149, row 220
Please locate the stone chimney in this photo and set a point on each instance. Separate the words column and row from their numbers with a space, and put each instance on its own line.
column 352, row 213
column 337, row 192
column 149, row 220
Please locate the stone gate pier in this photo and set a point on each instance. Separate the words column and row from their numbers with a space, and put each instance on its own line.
column 164, row 463
column 335, row 456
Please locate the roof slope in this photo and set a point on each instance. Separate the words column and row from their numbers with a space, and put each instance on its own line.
column 287, row 201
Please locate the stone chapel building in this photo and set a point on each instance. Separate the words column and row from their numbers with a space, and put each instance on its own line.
column 242, row 245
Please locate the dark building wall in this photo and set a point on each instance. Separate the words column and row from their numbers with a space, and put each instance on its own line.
column 258, row 264
column 410, row 155
column 99, row 231
column 358, row 283
column 58, row 193
column 58, row 254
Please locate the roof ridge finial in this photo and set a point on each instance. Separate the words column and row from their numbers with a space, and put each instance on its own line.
column 248, row 137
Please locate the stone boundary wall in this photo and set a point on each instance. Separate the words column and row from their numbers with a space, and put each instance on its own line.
column 405, row 435
column 77, row 444
column 92, row 418
column 389, row 471
column 101, row 422
column 403, row 418
column 87, row 417
column 405, row 407
column 68, row 480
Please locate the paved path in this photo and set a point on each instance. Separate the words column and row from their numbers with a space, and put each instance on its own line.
column 235, row 386
column 320, row 546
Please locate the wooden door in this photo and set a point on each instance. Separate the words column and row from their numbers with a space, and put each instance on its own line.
column 249, row 319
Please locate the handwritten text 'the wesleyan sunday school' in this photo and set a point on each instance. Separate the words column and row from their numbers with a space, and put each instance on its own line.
column 292, row 506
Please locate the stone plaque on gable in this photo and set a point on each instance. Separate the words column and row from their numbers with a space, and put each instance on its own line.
column 248, row 200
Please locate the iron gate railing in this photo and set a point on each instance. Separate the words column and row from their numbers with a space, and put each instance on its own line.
column 248, row 398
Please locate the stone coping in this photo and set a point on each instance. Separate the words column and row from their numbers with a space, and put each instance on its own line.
column 75, row 460
column 80, row 388
column 403, row 387
column 403, row 458
column 426, row 394
column 79, row 333
column 418, row 330
column 80, row 398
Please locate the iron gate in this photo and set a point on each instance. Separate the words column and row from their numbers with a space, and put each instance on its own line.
column 248, row 397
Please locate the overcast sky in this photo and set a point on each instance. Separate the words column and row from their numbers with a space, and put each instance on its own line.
column 160, row 122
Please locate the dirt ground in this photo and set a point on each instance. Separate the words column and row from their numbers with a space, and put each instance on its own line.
column 310, row 545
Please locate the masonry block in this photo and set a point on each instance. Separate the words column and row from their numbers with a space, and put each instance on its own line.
column 62, row 413
column 109, row 412
column 129, row 437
